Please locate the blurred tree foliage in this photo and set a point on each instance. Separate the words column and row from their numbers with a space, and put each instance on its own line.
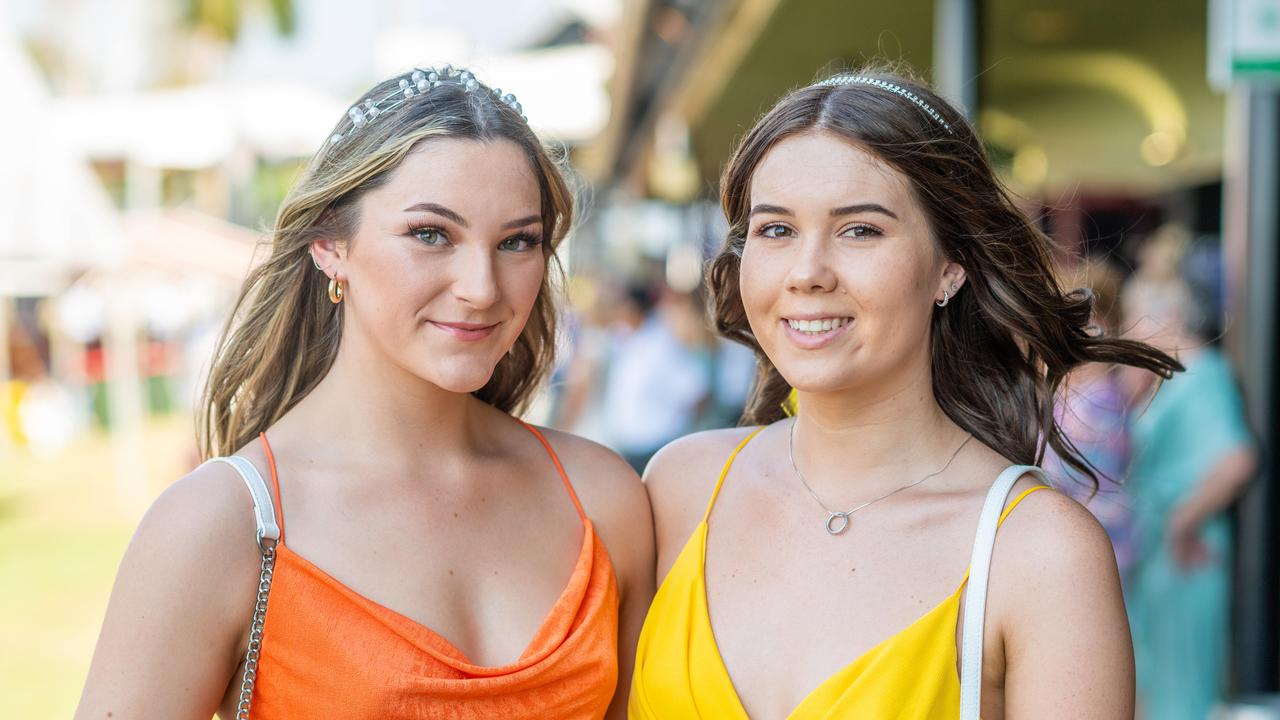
column 223, row 18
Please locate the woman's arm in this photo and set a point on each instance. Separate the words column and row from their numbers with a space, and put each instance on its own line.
column 179, row 612
column 1067, row 648
column 1221, row 486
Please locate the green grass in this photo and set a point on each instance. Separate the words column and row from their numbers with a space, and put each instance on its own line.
column 63, row 531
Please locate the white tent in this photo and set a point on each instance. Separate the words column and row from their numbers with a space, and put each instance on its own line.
column 55, row 219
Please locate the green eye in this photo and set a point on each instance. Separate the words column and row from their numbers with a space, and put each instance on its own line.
column 429, row 235
column 520, row 243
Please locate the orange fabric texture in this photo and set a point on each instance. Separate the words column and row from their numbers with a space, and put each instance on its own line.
column 327, row 651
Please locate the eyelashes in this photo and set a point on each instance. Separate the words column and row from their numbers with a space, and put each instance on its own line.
column 428, row 235
column 520, row 242
column 863, row 231
column 767, row 231
column 776, row 231
column 434, row 236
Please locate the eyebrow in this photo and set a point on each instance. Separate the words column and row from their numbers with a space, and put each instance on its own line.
column 521, row 222
column 861, row 208
column 445, row 212
column 835, row 212
column 770, row 209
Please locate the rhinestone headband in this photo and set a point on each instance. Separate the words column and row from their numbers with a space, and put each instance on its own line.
column 891, row 87
column 419, row 81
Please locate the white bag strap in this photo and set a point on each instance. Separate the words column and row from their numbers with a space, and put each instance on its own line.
column 264, row 509
column 264, row 513
column 975, row 602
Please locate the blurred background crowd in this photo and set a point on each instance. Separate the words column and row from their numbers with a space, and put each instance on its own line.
column 147, row 144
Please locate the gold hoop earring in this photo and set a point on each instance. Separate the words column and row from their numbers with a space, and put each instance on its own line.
column 335, row 290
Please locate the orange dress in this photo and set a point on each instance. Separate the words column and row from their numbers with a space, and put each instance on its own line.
column 327, row 651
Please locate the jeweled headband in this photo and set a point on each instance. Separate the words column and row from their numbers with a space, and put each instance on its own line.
column 417, row 82
column 891, row 87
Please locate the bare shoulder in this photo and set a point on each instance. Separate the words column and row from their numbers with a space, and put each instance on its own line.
column 209, row 509
column 604, row 482
column 687, row 469
column 1059, row 613
column 681, row 477
column 172, row 634
column 1052, row 559
column 1045, row 524
column 1049, row 532
column 202, row 528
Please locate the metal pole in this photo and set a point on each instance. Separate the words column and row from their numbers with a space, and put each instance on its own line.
column 956, row 52
column 1251, row 232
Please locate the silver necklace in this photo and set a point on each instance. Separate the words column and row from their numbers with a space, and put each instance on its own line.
column 838, row 521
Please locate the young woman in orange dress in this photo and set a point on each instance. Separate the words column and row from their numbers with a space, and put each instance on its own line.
column 422, row 552
column 844, row 562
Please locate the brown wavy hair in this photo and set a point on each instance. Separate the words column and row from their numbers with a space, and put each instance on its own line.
column 283, row 333
column 1002, row 347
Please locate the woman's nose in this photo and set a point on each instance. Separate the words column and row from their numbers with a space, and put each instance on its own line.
column 475, row 280
column 810, row 269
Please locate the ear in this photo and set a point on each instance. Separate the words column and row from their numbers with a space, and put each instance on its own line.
column 330, row 256
column 953, row 277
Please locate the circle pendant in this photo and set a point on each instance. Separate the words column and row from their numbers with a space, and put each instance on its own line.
column 837, row 522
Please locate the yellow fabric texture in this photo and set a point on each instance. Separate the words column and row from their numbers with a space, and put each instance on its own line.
column 679, row 672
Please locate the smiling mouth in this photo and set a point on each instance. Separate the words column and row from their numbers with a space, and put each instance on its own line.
column 818, row 326
column 465, row 326
column 466, row 331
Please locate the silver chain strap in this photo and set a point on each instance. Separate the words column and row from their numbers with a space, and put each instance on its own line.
column 255, row 630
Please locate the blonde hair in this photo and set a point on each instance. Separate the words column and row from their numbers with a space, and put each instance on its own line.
column 283, row 333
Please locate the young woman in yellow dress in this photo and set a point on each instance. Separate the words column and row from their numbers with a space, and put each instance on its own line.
column 843, row 562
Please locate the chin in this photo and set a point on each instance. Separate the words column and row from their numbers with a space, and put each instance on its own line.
column 459, row 378
column 824, row 379
column 820, row 386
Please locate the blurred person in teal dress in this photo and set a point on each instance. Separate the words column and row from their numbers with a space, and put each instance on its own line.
column 1193, row 454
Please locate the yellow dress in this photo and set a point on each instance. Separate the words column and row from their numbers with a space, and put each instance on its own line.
column 679, row 672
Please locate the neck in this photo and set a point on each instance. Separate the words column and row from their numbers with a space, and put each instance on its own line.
column 876, row 439
column 385, row 411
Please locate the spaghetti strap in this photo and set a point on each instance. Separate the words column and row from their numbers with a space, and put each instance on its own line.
column 1017, row 500
column 725, row 472
column 559, row 468
column 1000, row 522
column 275, row 483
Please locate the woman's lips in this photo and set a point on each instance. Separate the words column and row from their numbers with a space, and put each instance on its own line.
column 814, row 340
column 466, row 331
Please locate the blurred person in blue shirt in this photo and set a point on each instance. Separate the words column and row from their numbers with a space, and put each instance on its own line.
column 658, row 376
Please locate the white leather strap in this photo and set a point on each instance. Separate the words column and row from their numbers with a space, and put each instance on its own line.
column 264, row 510
column 975, row 602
